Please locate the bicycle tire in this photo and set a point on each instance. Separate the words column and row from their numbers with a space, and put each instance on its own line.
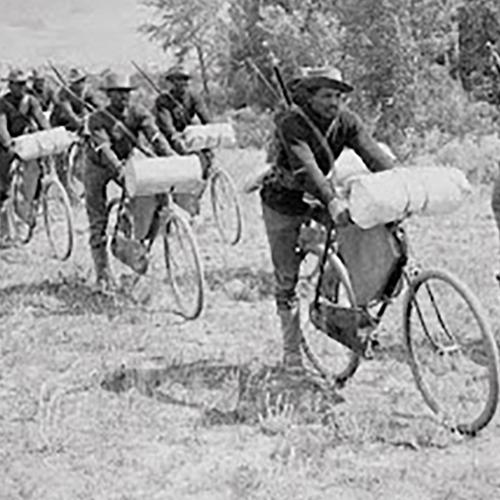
column 75, row 185
column 188, row 290
column 116, row 267
column 448, row 347
column 313, row 336
column 60, row 252
column 222, row 190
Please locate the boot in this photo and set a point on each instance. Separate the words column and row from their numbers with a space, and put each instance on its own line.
column 292, row 338
column 6, row 240
column 104, row 280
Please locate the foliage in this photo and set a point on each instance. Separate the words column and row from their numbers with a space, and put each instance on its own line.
column 407, row 59
column 184, row 26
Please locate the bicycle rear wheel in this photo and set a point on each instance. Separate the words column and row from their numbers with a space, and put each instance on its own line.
column 183, row 263
column 331, row 358
column 225, row 206
column 452, row 352
column 57, row 218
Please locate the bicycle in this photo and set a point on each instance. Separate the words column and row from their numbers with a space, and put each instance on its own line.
column 439, row 341
column 223, row 198
column 225, row 205
column 75, row 160
column 49, row 198
column 184, row 271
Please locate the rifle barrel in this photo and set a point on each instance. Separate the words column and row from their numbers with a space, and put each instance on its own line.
column 116, row 120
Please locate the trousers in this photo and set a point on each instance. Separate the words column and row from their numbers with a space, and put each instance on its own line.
column 283, row 235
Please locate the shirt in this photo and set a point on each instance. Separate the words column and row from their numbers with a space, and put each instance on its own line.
column 45, row 98
column 71, row 119
column 17, row 116
column 297, row 149
column 174, row 115
column 104, row 130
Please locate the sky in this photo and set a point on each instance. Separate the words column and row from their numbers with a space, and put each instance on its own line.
column 92, row 34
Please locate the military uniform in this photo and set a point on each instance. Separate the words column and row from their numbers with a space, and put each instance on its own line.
column 306, row 144
column 70, row 109
column 19, row 114
column 173, row 116
column 109, row 146
column 46, row 97
column 175, row 110
column 44, row 93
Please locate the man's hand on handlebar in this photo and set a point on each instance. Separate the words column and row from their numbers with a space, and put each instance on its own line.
column 338, row 210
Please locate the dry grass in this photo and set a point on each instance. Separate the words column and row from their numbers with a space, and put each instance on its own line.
column 108, row 400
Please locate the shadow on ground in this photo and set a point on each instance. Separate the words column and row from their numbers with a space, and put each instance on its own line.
column 226, row 393
column 242, row 283
column 67, row 296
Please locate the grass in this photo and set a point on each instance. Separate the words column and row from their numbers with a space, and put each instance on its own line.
column 185, row 422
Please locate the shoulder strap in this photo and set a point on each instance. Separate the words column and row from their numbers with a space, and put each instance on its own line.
column 323, row 139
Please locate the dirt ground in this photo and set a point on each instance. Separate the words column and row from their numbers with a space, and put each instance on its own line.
column 79, row 417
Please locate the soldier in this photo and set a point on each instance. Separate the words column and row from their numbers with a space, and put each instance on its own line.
column 110, row 145
column 309, row 136
column 70, row 110
column 175, row 109
column 42, row 91
column 19, row 114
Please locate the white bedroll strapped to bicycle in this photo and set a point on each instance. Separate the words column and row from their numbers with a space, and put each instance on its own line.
column 35, row 184
column 43, row 143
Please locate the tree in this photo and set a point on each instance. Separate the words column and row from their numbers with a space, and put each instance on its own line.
column 190, row 25
column 478, row 23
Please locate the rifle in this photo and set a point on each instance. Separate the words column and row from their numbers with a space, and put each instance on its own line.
column 261, row 75
column 155, row 87
column 93, row 109
column 494, row 57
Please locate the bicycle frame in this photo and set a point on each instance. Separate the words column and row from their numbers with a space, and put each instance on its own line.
column 329, row 249
column 47, row 171
column 160, row 216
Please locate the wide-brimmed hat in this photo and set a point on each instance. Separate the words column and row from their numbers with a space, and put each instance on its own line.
column 16, row 75
column 320, row 76
column 177, row 71
column 117, row 81
column 75, row 76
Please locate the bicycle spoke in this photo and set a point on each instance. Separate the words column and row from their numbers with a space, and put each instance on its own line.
column 452, row 351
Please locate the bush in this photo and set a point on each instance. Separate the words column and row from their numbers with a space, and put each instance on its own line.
column 478, row 157
column 253, row 128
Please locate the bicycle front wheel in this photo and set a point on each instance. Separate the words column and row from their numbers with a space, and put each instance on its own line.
column 225, row 206
column 183, row 263
column 330, row 358
column 20, row 212
column 452, row 352
column 58, row 219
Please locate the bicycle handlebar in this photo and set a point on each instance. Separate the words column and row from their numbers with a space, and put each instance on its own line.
column 319, row 213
